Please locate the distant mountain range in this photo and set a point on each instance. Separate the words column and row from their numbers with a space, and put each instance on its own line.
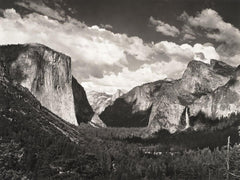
column 212, row 89
column 100, row 100
column 41, row 104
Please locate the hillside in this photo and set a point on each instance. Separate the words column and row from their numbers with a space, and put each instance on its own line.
column 36, row 143
column 99, row 100
column 47, row 75
column 162, row 104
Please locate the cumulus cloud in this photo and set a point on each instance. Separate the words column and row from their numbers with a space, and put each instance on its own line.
column 222, row 32
column 41, row 8
column 102, row 59
column 173, row 67
column 126, row 79
column 164, row 28
column 188, row 37
column 106, row 26
column 188, row 33
column 186, row 52
column 92, row 47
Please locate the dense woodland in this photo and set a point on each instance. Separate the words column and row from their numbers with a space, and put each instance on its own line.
column 104, row 154
column 32, row 148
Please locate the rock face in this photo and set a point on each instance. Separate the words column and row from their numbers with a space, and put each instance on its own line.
column 163, row 104
column 97, row 122
column 28, row 129
column 17, row 104
column 221, row 102
column 83, row 110
column 99, row 100
column 47, row 74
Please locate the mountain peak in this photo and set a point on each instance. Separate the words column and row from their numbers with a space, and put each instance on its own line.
column 214, row 64
column 117, row 94
column 161, row 104
column 47, row 74
column 237, row 75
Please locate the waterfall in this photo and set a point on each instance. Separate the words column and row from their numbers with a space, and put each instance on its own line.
column 187, row 118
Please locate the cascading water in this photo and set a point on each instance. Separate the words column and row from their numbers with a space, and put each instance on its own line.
column 187, row 118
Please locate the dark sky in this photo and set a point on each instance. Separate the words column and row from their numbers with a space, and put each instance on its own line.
column 132, row 16
column 105, row 60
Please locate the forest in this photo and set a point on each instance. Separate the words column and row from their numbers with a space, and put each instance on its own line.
column 31, row 147
column 119, row 153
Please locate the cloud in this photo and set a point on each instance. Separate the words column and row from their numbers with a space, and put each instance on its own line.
column 186, row 52
column 92, row 47
column 100, row 58
column 173, row 67
column 106, row 26
column 127, row 79
column 215, row 28
column 188, row 37
column 164, row 28
column 41, row 8
column 188, row 33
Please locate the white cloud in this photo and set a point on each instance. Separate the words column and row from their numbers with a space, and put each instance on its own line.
column 41, row 8
column 179, row 56
column 209, row 52
column 164, row 28
column 92, row 46
column 106, row 26
column 188, row 37
column 186, row 52
column 222, row 32
column 188, row 33
column 210, row 19
column 101, row 58
column 126, row 79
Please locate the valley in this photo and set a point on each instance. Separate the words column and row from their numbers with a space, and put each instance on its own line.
column 37, row 143
column 119, row 90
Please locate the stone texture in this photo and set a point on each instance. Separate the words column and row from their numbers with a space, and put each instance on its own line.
column 221, row 102
column 47, row 74
column 166, row 100
column 84, row 111
column 99, row 100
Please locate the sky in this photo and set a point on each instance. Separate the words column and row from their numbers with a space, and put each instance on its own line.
column 122, row 44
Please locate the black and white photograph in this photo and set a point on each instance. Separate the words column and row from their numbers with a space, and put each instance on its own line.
column 119, row 89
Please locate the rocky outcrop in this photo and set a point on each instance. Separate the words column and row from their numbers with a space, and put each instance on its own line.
column 83, row 110
column 29, row 133
column 132, row 109
column 222, row 102
column 97, row 122
column 116, row 95
column 100, row 100
column 47, row 74
column 198, row 80
column 161, row 104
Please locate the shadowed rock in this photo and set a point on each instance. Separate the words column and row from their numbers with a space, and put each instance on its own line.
column 47, row 74
column 166, row 100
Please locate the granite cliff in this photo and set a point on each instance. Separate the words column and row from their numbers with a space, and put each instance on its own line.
column 221, row 102
column 163, row 104
column 100, row 100
column 47, row 75
column 37, row 144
